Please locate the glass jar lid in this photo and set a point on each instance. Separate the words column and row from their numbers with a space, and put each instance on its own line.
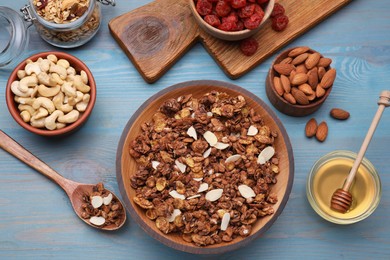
column 13, row 36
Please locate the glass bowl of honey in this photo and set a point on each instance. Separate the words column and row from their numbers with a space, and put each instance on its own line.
column 329, row 173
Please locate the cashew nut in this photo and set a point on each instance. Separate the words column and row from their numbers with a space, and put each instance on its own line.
column 61, row 71
column 25, row 115
column 74, row 100
column 57, row 78
column 48, row 92
column 44, row 64
column 53, row 58
column 40, row 113
column 84, row 77
column 21, row 74
column 58, row 101
column 44, row 102
column 17, row 92
column 79, row 84
column 29, row 81
column 50, row 121
column 34, row 92
column 68, row 89
column 63, row 63
column 24, row 100
column 60, row 125
column 45, row 79
column 27, row 108
column 71, row 71
column 32, row 68
column 82, row 106
column 39, row 123
column 71, row 117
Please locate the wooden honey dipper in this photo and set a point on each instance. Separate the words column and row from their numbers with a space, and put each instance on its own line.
column 342, row 199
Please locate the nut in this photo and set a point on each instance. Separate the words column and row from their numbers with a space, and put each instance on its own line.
column 311, row 128
column 328, row 78
column 340, row 114
column 322, row 131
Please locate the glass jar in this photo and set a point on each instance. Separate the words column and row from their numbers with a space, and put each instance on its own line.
column 69, row 34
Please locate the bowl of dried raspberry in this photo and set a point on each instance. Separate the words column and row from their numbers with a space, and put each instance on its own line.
column 231, row 20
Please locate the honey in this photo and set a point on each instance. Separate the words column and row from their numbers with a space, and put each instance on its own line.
column 329, row 174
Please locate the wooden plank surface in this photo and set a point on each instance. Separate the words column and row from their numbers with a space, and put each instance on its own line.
column 156, row 35
column 37, row 221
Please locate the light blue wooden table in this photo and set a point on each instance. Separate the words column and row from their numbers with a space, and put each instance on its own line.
column 36, row 218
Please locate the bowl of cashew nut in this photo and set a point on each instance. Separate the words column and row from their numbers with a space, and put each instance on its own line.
column 51, row 93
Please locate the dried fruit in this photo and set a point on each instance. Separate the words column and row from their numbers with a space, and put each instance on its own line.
column 311, row 128
column 339, row 114
column 322, row 131
column 278, row 10
column 249, row 46
column 279, row 23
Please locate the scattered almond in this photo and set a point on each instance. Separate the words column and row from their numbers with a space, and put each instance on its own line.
column 233, row 158
column 210, row 137
column 107, row 200
column 192, row 132
column 322, row 131
column 175, row 213
column 182, row 167
column 97, row 221
column 225, row 221
column 221, row 146
column 174, row 194
column 214, row 195
column 194, row 196
column 311, row 128
column 203, row 187
column 96, row 201
column 266, row 154
column 252, row 131
column 207, row 153
column 246, row 191
column 339, row 114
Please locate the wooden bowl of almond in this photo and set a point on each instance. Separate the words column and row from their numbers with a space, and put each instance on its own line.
column 205, row 167
column 299, row 81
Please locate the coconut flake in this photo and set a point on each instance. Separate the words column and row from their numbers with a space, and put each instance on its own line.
column 194, row 196
column 192, row 132
column 107, row 199
column 221, row 146
column 266, row 154
column 203, row 187
column 97, row 221
column 210, row 138
column 252, row 131
column 197, row 179
column 225, row 221
column 175, row 213
column 155, row 164
column 207, row 153
column 214, row 195
column 176, row 195
column 246, row 191
column 96, row 201
column 182, row 167
column 233, row 158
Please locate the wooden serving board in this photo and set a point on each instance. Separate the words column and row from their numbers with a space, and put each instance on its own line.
column 156, row 35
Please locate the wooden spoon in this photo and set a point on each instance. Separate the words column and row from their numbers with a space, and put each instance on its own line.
column 74, row 190
column 342, row 199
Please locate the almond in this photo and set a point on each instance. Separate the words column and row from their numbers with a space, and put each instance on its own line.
column 321, row 72
column 284, row 69
column 312, row 96
column 297, row 51
column 311, row 128
column 285, row 83
column 289, row 98
column 313, row 78
column 339, row 114
column 322, row 131
column 324, row 62
column 312, row 60
column 299, row 79
column 287, row 60
column 320, row 91
column 300, row 58
column 306, row 88
column 301, row 68
column 299, row 96
column 292, row 75
column 278, row 86
column 328, row 78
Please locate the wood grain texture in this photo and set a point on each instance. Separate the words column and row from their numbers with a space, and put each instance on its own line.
column 37, row 220
column 156, row 35
column 127, row 166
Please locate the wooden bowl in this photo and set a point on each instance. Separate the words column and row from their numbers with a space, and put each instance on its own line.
column 13, row 106
column 229, row 36
column 280, row 103
column 126, row 166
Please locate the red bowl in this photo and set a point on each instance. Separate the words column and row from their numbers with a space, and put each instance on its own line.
column 13, row 106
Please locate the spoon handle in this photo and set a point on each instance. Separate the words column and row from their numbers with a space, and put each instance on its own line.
column 15, row 149
column 383, row 102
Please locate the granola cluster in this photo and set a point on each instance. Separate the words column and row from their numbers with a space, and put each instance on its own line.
column 205, row 168
column 61, row 11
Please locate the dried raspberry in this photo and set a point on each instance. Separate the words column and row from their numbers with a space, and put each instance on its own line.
column 232, row 17
column 246, row 11
column 259, row 10
column 238, row 3
column 204, row 7
column 253, row 22
column 279, row 23
column 278, row 10
column 213, row 20
column 262, row 1
column 239, row 26
column 227, row 26
column 249, row 46
column 223, row 8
